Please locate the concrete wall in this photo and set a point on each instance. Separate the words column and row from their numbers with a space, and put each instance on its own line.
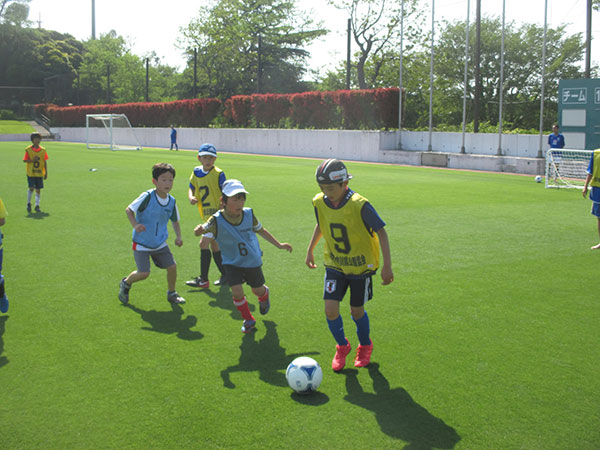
column 518, row 151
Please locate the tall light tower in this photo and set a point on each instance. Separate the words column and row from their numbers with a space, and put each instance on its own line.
column 93, row 19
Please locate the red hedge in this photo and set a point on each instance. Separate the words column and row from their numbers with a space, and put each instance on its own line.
column 349, row 109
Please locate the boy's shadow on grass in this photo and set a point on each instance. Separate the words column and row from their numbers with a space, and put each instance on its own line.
column 3, row 359
column 398, row 415
column 266, row 357
column 37, row 215
column 222, row 299
column 169, row 322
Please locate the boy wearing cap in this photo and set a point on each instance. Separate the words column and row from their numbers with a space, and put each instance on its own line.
column 206, row 182
column 353, row 233
column 234, row 228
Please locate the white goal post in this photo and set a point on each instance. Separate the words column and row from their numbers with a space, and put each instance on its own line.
column 113, row 131
column 567, row 168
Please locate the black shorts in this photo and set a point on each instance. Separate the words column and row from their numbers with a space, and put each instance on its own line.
column 35, row 182
column 237, row 275
column 336, row 285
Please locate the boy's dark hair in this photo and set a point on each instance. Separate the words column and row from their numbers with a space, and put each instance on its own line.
column 159, row 168
column 224, row 198
column 36, row 135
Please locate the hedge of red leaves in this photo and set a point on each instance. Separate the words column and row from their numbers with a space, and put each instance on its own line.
column 348, row 109
column 183, row 113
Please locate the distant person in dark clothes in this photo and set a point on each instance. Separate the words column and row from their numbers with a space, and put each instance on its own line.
column 174, row 138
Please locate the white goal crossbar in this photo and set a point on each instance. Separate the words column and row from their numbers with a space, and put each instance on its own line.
column 567, row 168
column 113, row 131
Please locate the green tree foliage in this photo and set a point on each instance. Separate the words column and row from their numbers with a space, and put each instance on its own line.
column 38, row 58
column 14, row 12
column 522, row 71
column 376, row 28
column 226, row 34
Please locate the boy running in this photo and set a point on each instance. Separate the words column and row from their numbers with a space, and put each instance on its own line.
column 205, row 191
column 235, row 228
column 149, row 215
column 353, row 232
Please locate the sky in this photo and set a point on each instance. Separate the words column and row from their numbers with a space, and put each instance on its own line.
column 152, row 25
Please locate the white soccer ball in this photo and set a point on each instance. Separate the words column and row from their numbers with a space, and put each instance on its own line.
column 538, row 179
column 304, row 375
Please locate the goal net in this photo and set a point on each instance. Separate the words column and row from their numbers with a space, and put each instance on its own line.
column 566, row 168
column 111, row 131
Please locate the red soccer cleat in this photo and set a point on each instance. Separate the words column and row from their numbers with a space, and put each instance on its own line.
column 339, row 360
column 363, row 355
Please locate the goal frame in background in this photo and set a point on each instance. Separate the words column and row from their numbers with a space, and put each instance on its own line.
column 114, row 139
column 567, row 168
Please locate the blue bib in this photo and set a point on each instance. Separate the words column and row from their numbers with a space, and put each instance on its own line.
column 239, row 244
column 155, row 218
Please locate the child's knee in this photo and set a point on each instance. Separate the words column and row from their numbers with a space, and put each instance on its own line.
column 204, row 243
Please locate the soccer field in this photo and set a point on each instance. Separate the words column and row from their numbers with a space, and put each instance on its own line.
column 487, row 339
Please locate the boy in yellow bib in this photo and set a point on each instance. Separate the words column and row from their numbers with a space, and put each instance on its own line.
column 593, row 179
column 353, row 233
column 36, row 159
column 204, row 191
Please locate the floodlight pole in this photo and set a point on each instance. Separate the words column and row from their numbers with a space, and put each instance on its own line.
column 93, row 19
column 501, row 93
column 400, row 77
column 348, row 54
column 147, row 79
column 194, row 92
column 540, row 153
column 429, row 147
column 464, row 124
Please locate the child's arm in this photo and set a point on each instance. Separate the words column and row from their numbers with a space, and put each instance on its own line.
column 585, row 186
column 177, row 229
column 270, row 238
column 310, row 258
column 191, row 197
column 46, row 172
column 139, row 227
column 386, row 271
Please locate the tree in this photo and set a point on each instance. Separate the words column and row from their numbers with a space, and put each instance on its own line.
column 38, row 58
column 375, row 26
column 226, row 34
column 522, row 67
column 14, row 12
column 110, row 56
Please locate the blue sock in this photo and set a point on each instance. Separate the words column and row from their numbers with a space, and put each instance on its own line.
column 363, row 330
column 337, row 329
column 1, row 286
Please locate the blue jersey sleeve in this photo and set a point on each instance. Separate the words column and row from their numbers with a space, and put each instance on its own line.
column 371, row 218
column 590, row 168
column 222, row 179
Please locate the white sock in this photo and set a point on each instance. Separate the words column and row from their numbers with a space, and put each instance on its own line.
column 29, row 193
column 37, row 199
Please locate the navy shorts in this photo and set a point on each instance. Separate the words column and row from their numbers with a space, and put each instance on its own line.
column 336, row 285
column 35, row 182
column 237, row 275
column 596, row 209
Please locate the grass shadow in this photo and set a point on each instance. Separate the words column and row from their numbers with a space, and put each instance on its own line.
column 169, row 322
column 398, row 415
column 222, row 299
column 265, row 356
column 3, row 359
column 37, row 215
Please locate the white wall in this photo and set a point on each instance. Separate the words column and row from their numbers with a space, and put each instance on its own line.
column 374, row 146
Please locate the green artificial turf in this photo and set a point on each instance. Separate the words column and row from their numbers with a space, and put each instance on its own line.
column 487, row 339
column 15, row 127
